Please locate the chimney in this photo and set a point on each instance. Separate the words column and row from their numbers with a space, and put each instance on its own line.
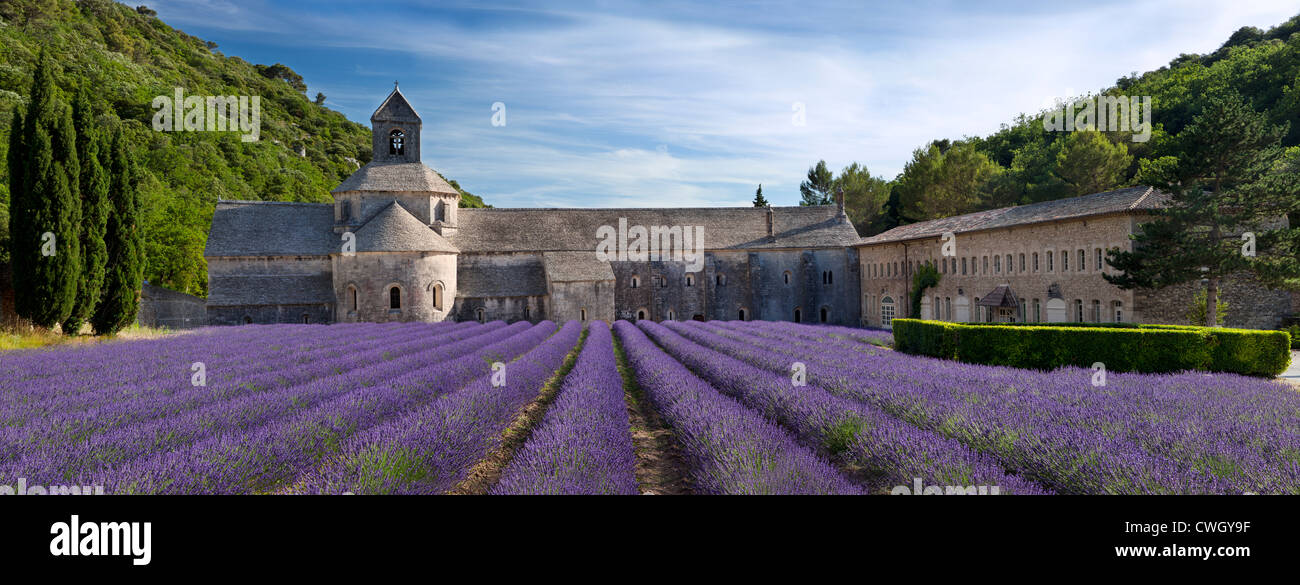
column 771, row 225
column 839, row 201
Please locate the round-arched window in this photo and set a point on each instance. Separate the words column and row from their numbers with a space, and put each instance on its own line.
column 394, row 298
column 396, row 142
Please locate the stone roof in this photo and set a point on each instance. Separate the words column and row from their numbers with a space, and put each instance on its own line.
column 576, row 267
column 271, row 228
column 547, row 230
column 395, row 108
column 395, row 177
column 270, row 289
column 1002, row 296
column 394, row 229
column 1125, row 200
column 516, row 277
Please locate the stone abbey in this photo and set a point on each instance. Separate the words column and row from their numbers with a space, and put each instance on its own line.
column 412, row 254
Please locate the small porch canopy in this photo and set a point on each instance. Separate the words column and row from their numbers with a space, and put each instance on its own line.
column 1002, row 297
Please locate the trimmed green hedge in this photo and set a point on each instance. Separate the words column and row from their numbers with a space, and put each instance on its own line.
column 1123, row 347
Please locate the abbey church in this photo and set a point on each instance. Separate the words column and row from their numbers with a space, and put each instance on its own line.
column 395, row 246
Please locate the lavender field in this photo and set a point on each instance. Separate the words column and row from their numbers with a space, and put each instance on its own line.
column 547, row 408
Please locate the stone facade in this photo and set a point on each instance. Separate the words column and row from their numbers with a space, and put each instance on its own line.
column 394, row 246
column 1051, row 259
column 160, row 307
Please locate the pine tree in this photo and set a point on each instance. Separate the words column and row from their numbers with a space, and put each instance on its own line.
column 816, row 190
column 1229, row 179
column 759, row 200
column 44, row 222
column 91, row 150
column 125, row 268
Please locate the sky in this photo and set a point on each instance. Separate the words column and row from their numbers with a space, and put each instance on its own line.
column 694, row 104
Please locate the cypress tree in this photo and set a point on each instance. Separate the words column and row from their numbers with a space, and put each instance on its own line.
column 759, row 199
column 91, row 153
column 46, row 240
column 124, row 273
column 16, row 199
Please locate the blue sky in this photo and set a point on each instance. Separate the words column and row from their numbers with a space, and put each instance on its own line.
column 669, row 104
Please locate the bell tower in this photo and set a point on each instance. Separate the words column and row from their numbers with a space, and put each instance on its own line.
column 395, row 130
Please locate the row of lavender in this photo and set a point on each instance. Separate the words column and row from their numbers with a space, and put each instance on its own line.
column 1182, row 433
column 262, row 425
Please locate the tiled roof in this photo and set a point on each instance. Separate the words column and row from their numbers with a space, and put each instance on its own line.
column 518, row 278
column 576, row 267
column 270, row 289
column 1002, row 296
column 1129, row 199
column 395, row 177
column 546, row 230
column 394, row 229
column 267, row 228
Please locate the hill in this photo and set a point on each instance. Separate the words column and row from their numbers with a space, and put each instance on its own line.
column 128, row 56
column 1024, row 163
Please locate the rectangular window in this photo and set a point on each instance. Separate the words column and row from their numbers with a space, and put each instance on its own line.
column 1035, row 261
column 1051, row 256
column 986, row 265
column 1010, row 267
column 1078, row 305
column 1038, row 312
column 997, row 264
column 963, row 267
column 1099, row 264
column 1022, row 262
column 1083, row 261
column 1065, row 261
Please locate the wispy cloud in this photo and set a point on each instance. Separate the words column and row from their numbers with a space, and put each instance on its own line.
column 691, row 104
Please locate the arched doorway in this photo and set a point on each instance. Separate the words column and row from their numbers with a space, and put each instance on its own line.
column 798, row 315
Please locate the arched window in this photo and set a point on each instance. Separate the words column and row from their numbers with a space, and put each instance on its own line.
column 306, row 319
column 798, row 316
column 787, row 277
column 671, row 315
column 352, row 298
column 823, row 277
column 721, row 280
column 584, row 314
column 636, row 281
column 825, row 315
column 480, row 315
column 887, row 312
column 742, row 314
column 396, row 142
column 830, row 277
column 394, row 298
column 1119, row 311
column 690, row 280
column 640, row 315
column 437, row 296
column 1096, row 311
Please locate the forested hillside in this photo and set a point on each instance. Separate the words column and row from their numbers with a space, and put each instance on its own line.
column 126, row 57
column 1023, row 163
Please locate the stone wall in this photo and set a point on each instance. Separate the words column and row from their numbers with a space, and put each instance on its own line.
column 508, row 309
column 1250, row 304
column 160, row 307
column 241, row 315
column 569, row 299
column 766, row 285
